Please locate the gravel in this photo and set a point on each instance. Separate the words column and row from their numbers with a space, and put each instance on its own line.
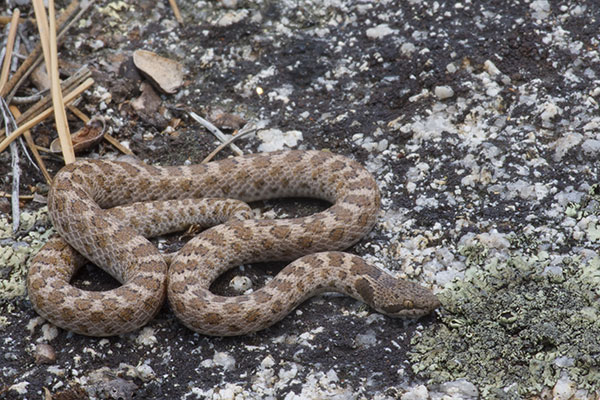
column 479, row 120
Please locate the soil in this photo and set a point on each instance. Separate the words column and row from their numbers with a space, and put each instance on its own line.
column 462, row 111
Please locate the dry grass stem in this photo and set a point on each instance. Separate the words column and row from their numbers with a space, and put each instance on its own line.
column 6, row 19
column 176, row 12
column 112, row 140
column 34, row 58
column 21, row 197
column 220, row 147
column 215, row 131
column 32, row 146
column 67, row 85
column 78, row 113
column 60, row 115
column 10, row 43
column 44, row 114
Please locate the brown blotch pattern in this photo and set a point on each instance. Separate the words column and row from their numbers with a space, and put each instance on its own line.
column 82, row 189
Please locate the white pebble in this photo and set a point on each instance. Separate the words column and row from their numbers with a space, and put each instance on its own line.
column 224, row 360
column 460, row 389
column 226, row 394
column 146, row 337
column 145, row 372
column 379, row 31
column 564, row 389
column 382, row 145
column 267, row 362
column 367, row 339
column 417, row 393
column 549, row 111
column 443, row 92
column 240, row 283
column 491, row 68
column 407, row 48
column 232, row 17
column 20, row 388
column 275, row 139
column 591, row 146
column 49, row 332
column 541, row 9
column 288, row 375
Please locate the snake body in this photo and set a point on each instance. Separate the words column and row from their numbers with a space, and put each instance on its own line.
column 103, row 210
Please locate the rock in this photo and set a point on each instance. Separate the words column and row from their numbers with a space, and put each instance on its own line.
column 44, row 354
column 443, row 92
column 379, row 31
column 164, row 73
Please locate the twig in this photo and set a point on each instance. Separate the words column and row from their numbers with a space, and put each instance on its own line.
column 21, row 197
column 215, row 131
column 33, row 147
column 5, row 19
column 9, row 122
column 26, row 99
column 9, row 125
column 176, row 11
column 220, row 147
column 78, row 113
column 67, row 85
column 60, row 115
column 44, row 114
column 9, row 48
column 112, row 140
column 34, row 57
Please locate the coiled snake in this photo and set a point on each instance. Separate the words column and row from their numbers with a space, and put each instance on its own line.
column 105, row 209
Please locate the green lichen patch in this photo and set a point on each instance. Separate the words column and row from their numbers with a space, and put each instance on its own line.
column 16, row 250
column 513, row 326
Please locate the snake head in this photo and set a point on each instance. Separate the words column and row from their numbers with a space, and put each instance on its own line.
column 400, row 298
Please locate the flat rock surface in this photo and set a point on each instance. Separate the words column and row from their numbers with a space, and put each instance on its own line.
column 478, row 119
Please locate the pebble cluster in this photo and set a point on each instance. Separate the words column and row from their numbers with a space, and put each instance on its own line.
column 480, row 122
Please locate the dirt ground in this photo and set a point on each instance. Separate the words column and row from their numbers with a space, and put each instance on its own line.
column 478, row 119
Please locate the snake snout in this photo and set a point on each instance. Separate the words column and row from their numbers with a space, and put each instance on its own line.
column 410, row 301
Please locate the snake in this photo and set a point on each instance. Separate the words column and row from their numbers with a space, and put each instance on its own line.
column 104, row 212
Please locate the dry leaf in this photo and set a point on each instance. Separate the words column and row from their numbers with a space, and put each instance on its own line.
column 86, row 137
column 165, row 74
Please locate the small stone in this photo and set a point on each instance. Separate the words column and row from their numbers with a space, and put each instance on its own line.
column 267, row 362
column 224, row 360
column 275, row 139
column 145, row 372
column 164, row 73
column 491, row 68
column 367, row 339
column 407, row 48
column 443, row 92
column 451, row 68
column 240, row 283
column 379, row 31
column 146, row 337
column 460, row 389
column 549, row 111
column 541, row 9
column 416, row 393
column 564, row 389
column 232, row 17
column 20, row 388
column 229, row 3
column 44, row 354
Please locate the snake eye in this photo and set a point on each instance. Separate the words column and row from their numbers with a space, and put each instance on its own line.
column 408, row 304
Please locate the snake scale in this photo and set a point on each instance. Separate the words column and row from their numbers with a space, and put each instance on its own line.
column 104, row 210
